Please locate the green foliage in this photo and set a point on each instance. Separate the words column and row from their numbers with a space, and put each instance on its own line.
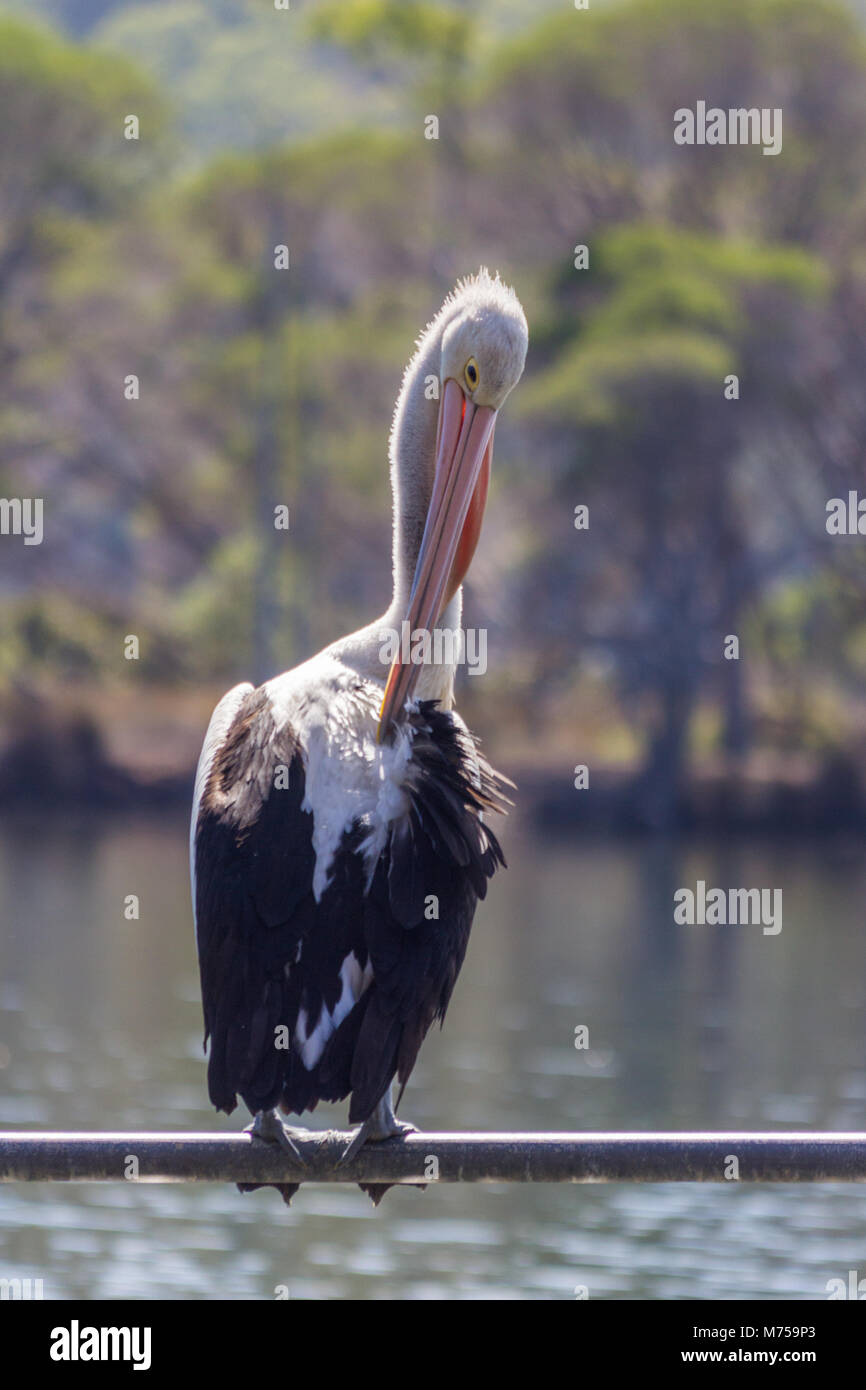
column 666, row 310
column 261, row 386
column 769, row 30
column 64, row 161
column 209, row 623
column 73, row 97
column 50, row 636
column 371, row 27
column 587, row 383
column 248, row 76
column 664, row 250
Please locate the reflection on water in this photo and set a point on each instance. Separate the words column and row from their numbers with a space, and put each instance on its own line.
column 690, row 1027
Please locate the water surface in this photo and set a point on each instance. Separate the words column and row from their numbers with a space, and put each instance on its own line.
column 689, row 1027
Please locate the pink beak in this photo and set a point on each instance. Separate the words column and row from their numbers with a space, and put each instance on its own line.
column 464, row 447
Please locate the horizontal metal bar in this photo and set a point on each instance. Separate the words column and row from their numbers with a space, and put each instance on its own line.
column 672, row 1157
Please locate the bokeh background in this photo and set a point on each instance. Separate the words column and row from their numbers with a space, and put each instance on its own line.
column 707, row 518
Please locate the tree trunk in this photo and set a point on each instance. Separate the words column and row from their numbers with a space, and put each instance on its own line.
column 658, row 787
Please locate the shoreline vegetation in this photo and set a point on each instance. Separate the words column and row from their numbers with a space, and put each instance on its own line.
column 142, row 761
column 204, row 325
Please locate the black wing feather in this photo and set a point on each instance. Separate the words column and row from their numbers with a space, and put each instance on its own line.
column 268, row 949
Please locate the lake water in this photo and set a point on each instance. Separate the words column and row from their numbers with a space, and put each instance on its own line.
column 690, row 1027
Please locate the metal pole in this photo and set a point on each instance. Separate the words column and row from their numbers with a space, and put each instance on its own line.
column 672, row 1157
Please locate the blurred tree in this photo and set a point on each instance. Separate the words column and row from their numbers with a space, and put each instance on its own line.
column 307, row 418
column 594, row 105
column 262, row 386
column 639, row 353
column 66, row 175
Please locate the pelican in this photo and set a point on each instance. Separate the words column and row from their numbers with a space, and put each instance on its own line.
column 338, row 842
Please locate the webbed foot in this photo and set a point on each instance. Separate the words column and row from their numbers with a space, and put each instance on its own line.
column 382, row 1124
column 372, row 1132
column 269, row 1128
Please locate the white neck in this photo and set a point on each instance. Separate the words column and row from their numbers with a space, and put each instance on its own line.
column 412, row 455
column 411, row 451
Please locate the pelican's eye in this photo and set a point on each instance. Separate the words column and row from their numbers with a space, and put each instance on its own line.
column 470, row 374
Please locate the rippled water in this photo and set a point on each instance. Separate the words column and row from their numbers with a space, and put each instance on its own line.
column 690, row 1027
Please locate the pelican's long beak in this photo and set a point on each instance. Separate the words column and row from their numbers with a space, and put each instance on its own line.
column 464, row 447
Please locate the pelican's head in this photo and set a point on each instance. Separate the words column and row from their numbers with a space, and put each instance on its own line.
column 483, row 335
column 484, row 344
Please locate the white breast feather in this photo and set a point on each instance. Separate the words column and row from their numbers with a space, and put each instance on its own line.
column 349, row 776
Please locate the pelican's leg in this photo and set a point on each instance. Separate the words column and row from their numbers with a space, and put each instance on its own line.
column 381, row 1124
column 269, row 1127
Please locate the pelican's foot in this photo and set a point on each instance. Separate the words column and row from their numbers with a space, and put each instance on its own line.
column 268, row 1127
column 286, row 1190
column 382, row 1124
column 378, row 1127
